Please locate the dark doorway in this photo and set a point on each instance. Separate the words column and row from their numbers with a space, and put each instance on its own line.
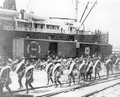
column 53, row 48
column 97, row 49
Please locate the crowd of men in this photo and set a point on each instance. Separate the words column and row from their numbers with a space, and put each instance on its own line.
column 82, row 67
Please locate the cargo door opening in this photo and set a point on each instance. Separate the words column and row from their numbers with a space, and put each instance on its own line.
column 53, row 48
column 97, row 49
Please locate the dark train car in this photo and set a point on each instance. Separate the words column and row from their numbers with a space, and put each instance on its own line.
column 38, row 48
column 106, row 50
column 92, row 48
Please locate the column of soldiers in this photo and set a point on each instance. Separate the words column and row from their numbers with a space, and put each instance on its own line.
column 82, row 67
column 54, row 71
column 24, row 68
column 86, row 66
column 73, row 65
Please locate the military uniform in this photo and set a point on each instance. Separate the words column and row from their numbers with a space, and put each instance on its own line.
column 117, row 61
column 5, row 79
column 57, row 74
column 96, row 67
column 71, row 76
column 29, row 77
column 20, row 70
column 57, row 77
column 20, row 76
column 71, row 73
column 49, row 75
column 109, row 67
column 81, row 68
column 89, row 69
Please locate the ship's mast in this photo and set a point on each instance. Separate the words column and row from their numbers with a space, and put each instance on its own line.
column 88, row 14
column 84, row 12
column 76, row 1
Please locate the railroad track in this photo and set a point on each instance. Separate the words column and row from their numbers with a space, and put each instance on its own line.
column 102, row 80
column 63, row 82
column 78, row 87
column 100, row 90
column 72, row 88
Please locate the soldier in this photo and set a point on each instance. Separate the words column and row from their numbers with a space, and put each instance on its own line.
column 49, row 70
column 5, row 78
column 20, row 70
column 117, row 61
column 109, row 66
column 97, row 67
column 71, row 73
column 80, row 68
column 85, row 67
column 29, row 76
column 57, row 74
column 89, row 69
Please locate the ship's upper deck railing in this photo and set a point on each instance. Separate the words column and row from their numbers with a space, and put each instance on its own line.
column 9, row 20
column 24, row 25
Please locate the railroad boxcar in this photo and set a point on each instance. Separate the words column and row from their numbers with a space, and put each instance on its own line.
column 38, row 48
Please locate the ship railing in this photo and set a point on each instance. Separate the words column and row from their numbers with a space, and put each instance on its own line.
column 46, row 30
column 22, row 28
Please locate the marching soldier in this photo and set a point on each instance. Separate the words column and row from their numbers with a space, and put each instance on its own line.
column 5, row 78
column 89, row 69
column 97, row 67
column 117, row 61
column 71, row 73
column 84, row 67
column 20, row 70
column 109, row 66
column 29, row 76
column 57, row 74
column 81, row 73
column 49, row 69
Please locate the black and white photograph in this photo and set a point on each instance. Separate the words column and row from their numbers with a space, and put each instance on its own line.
column 59, row 48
